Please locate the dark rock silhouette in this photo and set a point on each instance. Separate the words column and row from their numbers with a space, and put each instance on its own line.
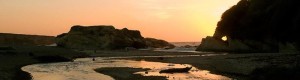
column 261, row 25
column 212, row 44
column 108, row 38
column 100, row 37
column 157, row 43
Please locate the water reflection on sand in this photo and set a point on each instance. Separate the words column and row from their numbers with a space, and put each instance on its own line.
column 83, row 69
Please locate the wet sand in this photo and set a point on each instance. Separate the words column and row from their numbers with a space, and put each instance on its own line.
column 236, row 66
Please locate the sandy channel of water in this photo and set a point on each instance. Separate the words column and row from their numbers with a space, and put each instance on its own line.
column 83, row 69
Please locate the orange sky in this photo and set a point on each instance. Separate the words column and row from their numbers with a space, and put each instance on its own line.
column 171, row 20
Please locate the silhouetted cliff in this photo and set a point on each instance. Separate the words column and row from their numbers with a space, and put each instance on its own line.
column 100, row 37
column 104, row 37
column 7, row 39
column 262, row 25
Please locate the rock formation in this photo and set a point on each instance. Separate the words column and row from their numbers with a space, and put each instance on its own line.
column 212, row 44
column 260, row 26
column 100, row 37
column 157, row 43
column 8, row 39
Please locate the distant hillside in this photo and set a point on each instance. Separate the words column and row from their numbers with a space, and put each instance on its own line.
column 8, row 39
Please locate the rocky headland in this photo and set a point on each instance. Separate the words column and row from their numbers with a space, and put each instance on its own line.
column 261, row 27
column 106, row 37
column 257, row 26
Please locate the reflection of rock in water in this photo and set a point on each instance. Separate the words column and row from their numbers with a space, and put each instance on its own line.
column 176, row 70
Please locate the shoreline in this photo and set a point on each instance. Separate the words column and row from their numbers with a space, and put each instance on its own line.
column 235, row 66
column 19, row 56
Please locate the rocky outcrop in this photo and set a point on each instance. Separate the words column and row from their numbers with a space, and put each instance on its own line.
column 231, row 45
column 212, row 44
column 157, row 43
column 100, row 37
column 8, row 39
column 261, row 25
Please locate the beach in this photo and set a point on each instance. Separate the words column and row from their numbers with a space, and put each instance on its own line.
column 233, row 65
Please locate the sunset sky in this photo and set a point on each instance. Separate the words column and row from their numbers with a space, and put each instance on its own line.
column 171, row 20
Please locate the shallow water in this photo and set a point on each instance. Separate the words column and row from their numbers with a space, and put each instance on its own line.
column 83, row 69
